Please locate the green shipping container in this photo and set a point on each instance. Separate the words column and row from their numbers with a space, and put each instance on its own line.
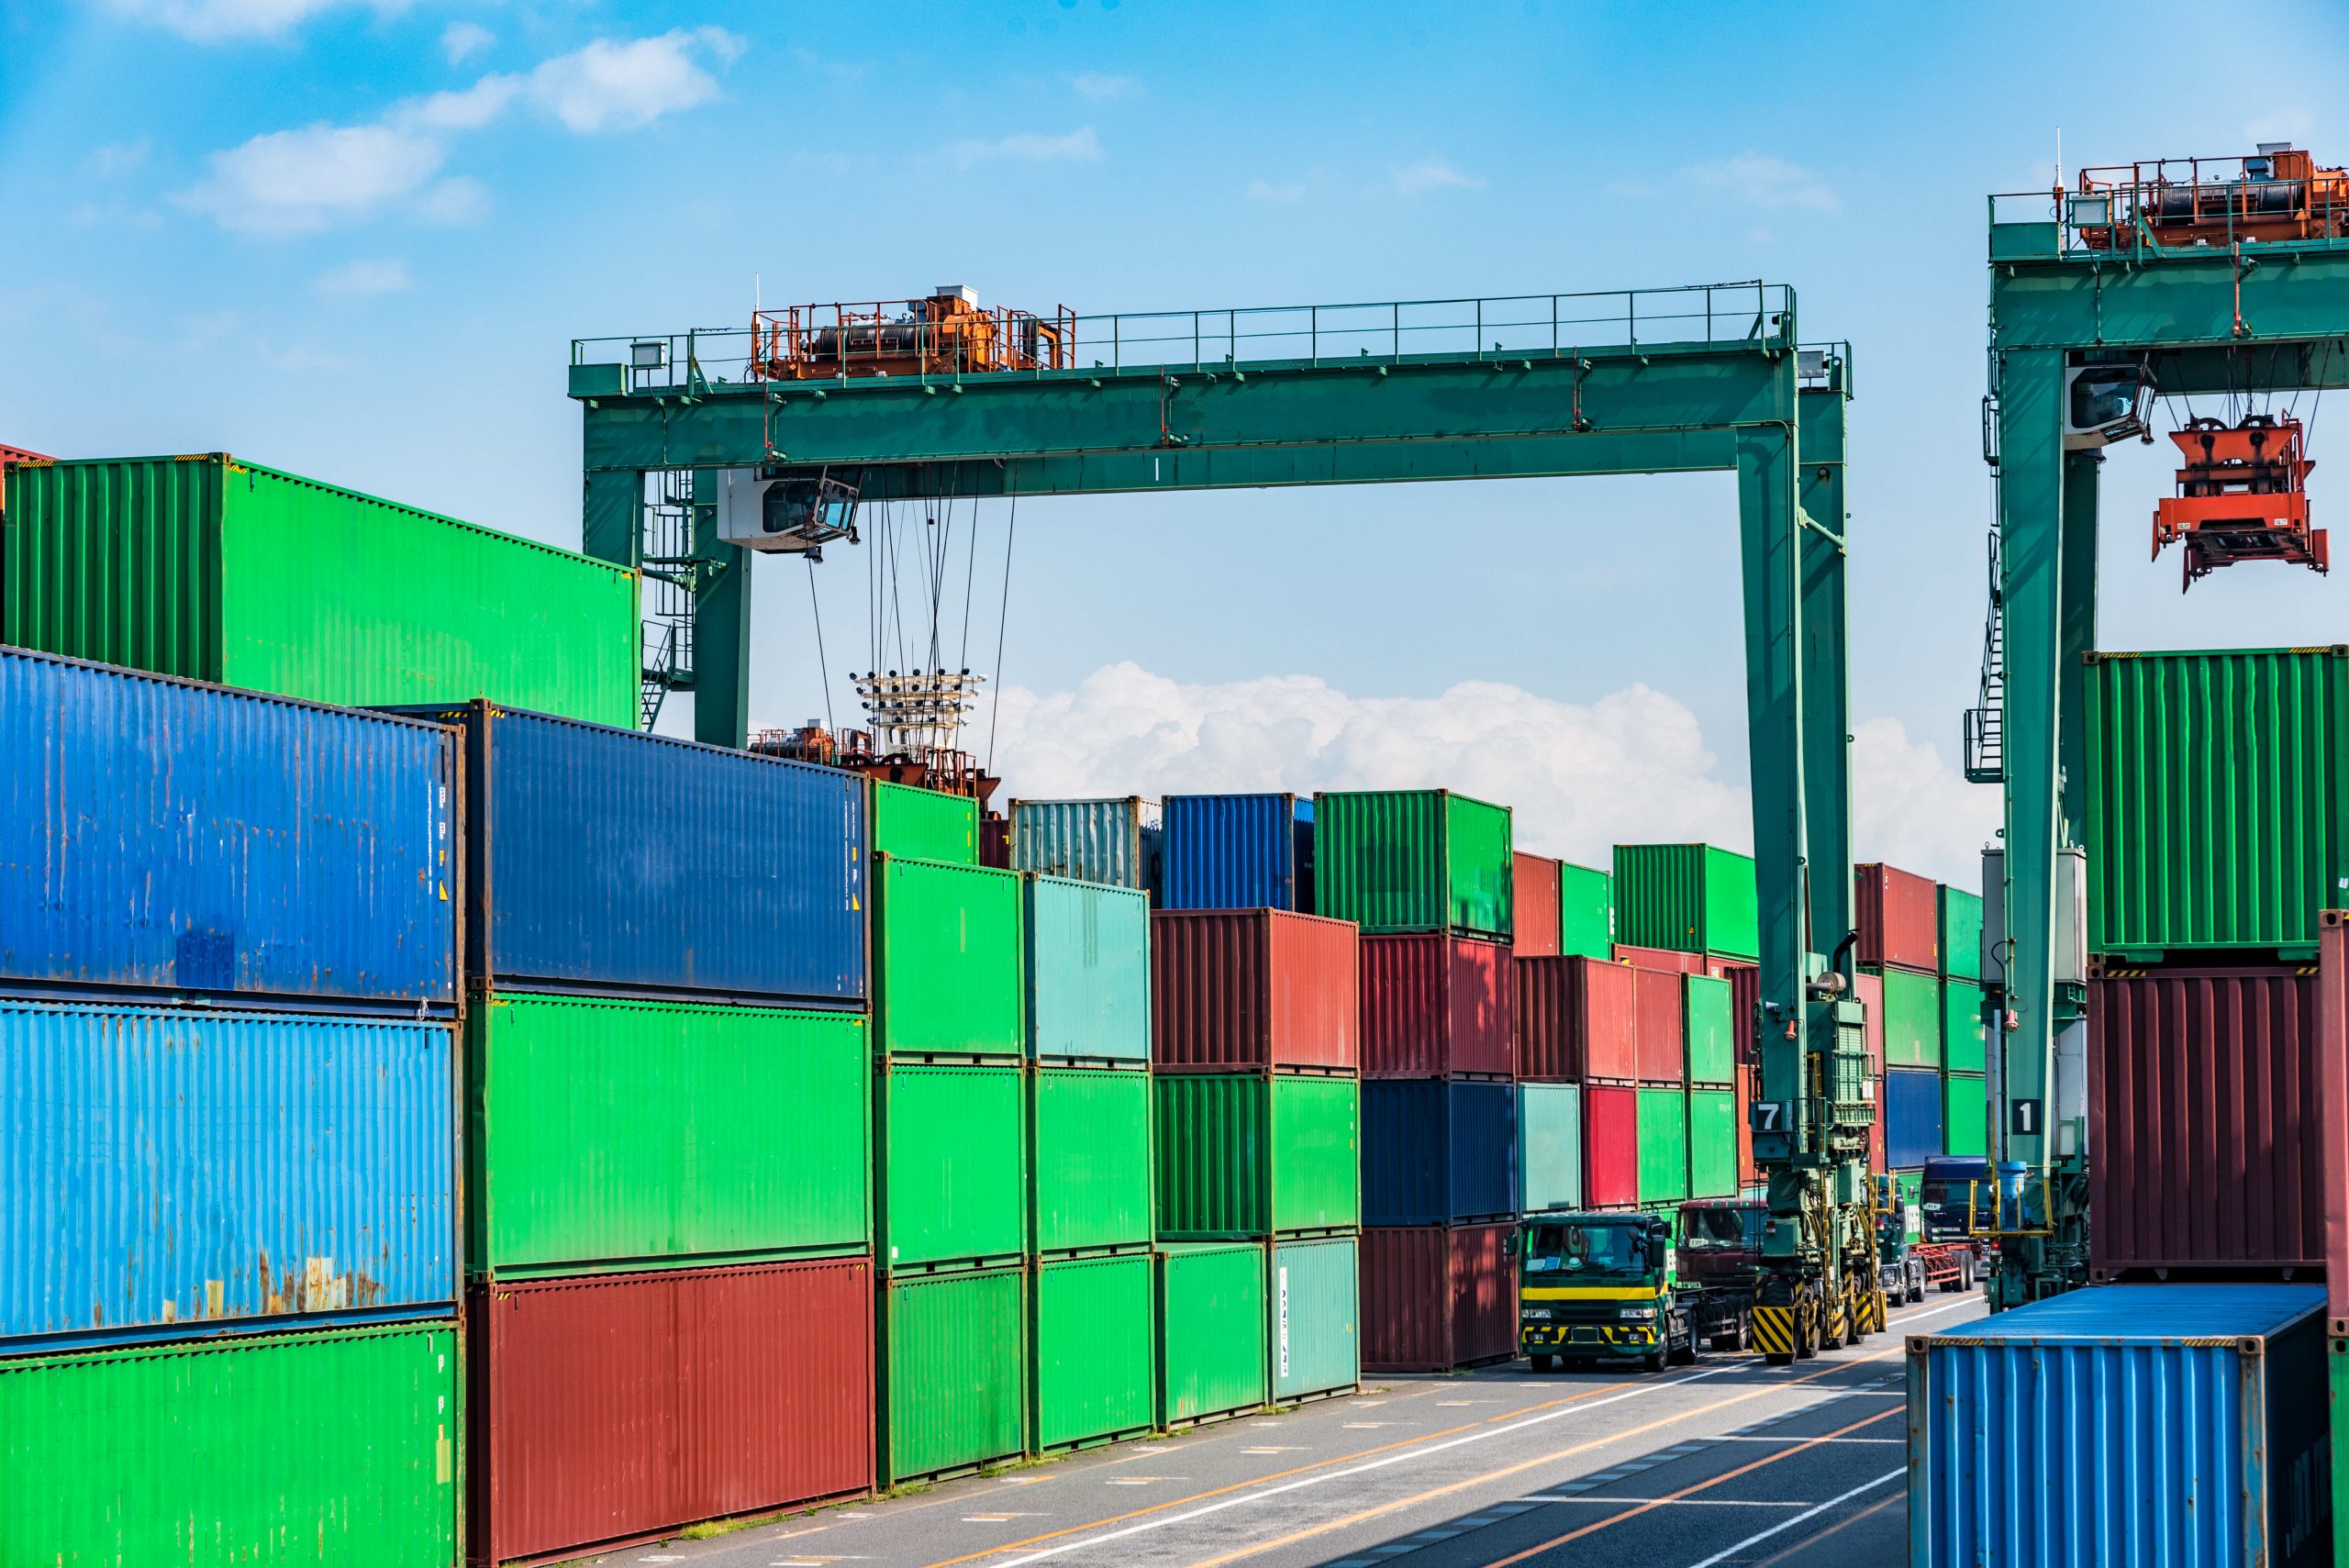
column 1912, row 1019
column 1663, row 1145
column 1686, row 899
column 1212, row 1312
column 1317, row 1345
column 1088, row 971
column 1549, row 1147
column 915, row 824
column 611, row 1134
column 2336, row 1363
column 1412, row 860
column 1585, row 912
column 954, row 1161
column 1096, row 1351
column 222, row 570
column 1708, row 1015
column 1965, row 1037
column 2217, row 816
column 1961, row 933
column 1090, row 1129
column 1712, row 1143
column 337, row 1449
column 949, row 964
column 953, row 1374
column 1966, row 1113
column 1242, row 1156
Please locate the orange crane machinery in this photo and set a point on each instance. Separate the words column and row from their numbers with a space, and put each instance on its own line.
column 2278, row 194
column 2242, row 495
column 948, row 333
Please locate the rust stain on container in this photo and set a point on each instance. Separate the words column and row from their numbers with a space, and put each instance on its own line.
column 1238, row 990
column 1437, row 1296
column 1438, row 1008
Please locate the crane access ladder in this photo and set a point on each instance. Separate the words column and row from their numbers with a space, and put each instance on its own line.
column 1984, row 746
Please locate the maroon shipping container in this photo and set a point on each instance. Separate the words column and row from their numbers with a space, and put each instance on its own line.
column 1747, row 1172
column 1663, row 1056
column 1577, row 1018
column 1438, row 1296
column 1899, row 919
column 1744, row 1004
column 1438, row 1008
column 1534, row 904
column 2206, row 1144
column 618, row 1408
column 1610, row 1145
column 994, row 842
column 1868, row 989
column 1666, row 958
column 1251, row 990
column 2332, row 1107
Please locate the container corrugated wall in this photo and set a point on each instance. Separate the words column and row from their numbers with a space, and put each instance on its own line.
column 1577, row 1018
column 916, row 823
column 1247, row 1155
column 1912, row 1019
column 1212, row 1326
column 2218, row 802
column 1094, row 1356
column 1237, row 852
column 1088, row 971
column 173, row 1174
column 1315, row 1347
column 1708, row 1015
column 1090, row 1134
column 1966, row 1043
column 606, row 1133
column 1438, row 1151
column 224, row 570
column 1713, row 1142
column 2203, row 1094
column 169, row 838
column 1966, row 1113
column 1254, row 988
column 1549, row 1147
column 1898, row 915
column 952, row 1155
column 1610, row 1145
column 603, row 859
column 1912, row 1116
column 1662, row 1053
column 954, row 1392
column 329, row 1450
column 1436, row 1297
column 1585, row 912
column 1397, row 860
column 1113, row 841
column 2123, row 1424
column 1436, row 1007
column 1686, row 899
column 1663, row 1145
column 949, row 962
column 1534, row 905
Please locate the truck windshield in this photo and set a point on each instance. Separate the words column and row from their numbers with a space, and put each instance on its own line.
column 1721, row 1229
column 1593, row 1251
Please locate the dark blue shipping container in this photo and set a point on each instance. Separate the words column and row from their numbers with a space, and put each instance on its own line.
column 601, row 859
column 1237, row 852
column 1912, row 1117
column 171, row 1173
column 166, row 838
column 1436, row 1151
column 2176, row 1424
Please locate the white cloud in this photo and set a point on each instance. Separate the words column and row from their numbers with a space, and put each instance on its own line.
column 469, row 109
column 365, row 277
column 1271, row 191
column 453, row 201
column 119, row 159
column 1916, row 810
column 1434, row 175
column 1760, row 180
column 210, row 21
column 1096, row 84
column 290, row 180
column 460, row 41
column 609, row 84
column 1079, row 146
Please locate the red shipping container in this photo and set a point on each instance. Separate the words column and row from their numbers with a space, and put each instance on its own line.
column 1438, row 1008
column 1438, row 1296
column 1877, row 1160
column 1666, row 958
column 1868, row 989
column 2206, row 1139
column 1242, row 990
column 1534, row 905
column 1577, row 1018
column 1610, row 1145
column 618, row 1408
column 1747, row 1172
column 1898, row 916
column 1662, row 1004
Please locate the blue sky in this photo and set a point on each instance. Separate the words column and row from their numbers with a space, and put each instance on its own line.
column 354, row 240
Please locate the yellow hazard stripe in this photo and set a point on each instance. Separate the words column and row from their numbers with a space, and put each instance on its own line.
column 1583, row 1293
column 1774, row 1330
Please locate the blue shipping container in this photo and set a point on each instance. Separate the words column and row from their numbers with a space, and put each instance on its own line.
column 1436, row 1151
column 165, row 837
column 1237, row 852
column 1114, row 841
column 601, row 859
column 1088, row 971
column 1912, row 1117
column 172, row 1173
column 2135, row 1423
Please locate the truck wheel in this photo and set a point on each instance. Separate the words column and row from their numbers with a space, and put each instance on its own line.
column 1686, row 1354
column 1544, row 1363
column 1654, row 1359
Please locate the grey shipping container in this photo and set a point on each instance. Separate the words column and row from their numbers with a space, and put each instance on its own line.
column 1114, row 841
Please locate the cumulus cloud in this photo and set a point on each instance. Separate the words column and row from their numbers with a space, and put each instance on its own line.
column 291, row 181
column 365, row 277
column 625, row 85
column 460, row 41
column 1079, row 146
column 118, row 159
column 211, row 21
column 1759, row 180
column 1434, row 175
column 1630, row 767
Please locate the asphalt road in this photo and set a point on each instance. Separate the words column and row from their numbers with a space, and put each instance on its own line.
column 1728, row 1463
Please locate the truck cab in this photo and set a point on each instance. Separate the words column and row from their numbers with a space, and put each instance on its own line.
column 1599, row 1287
column 1943, row 1190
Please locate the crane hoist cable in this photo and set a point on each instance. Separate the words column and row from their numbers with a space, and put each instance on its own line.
column 1003, row 614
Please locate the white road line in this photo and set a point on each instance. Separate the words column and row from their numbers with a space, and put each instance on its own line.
column 1734, row 1438
column 1757, row 1539
column 1675, row 1502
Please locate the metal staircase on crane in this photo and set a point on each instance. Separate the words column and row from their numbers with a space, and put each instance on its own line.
column 1984, row 749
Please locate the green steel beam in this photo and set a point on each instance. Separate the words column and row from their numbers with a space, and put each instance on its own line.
column 721, row 628
column 1826, row 676
column 2181, row 298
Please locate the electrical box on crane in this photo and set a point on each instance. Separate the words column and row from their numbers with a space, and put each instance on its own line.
column 2242, row 495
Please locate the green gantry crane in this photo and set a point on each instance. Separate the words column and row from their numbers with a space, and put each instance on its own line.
column 2226, row 278
column 772, row 434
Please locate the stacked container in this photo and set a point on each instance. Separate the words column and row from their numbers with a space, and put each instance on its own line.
column 1932, row 1097
column 229, row 986
column 1256, row 1048
column 667, row 1081
column 1432, row 880
column 1585, row 912
column 1111, row 842
column 1577, row 1052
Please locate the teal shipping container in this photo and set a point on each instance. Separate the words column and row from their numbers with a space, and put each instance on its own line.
column 1400, row 861
column 1094, row 1358
column 1213, row 1326
column 953, row 1384
column 1585, row 912
column 1317, row 1345
column 1549, row 1155
column 1686, row 899
column 1088, row 971
column 1112, row 842
column 1090, row 1129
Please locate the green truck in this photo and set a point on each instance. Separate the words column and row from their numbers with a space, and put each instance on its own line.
column 1599, row 1287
